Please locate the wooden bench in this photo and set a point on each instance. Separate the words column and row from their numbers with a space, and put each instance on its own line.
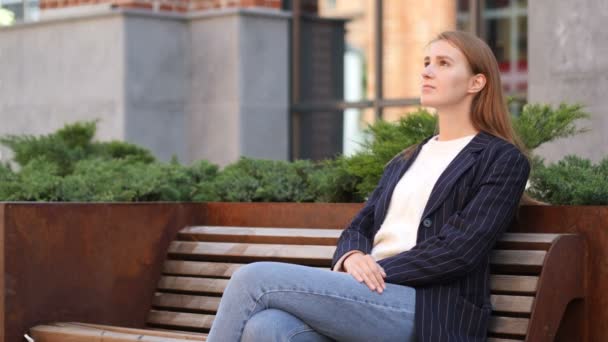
column 534, row 277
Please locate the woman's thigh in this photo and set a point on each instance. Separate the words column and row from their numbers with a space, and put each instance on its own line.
column 333, row 303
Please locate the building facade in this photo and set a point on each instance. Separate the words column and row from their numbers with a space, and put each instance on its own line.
column 214, row 79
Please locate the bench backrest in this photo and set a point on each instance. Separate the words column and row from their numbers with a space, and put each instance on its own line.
column 534, row 276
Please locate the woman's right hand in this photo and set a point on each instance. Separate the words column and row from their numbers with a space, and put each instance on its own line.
column 365, row 269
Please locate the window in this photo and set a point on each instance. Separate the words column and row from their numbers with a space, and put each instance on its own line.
column 13, row 11
column 504, row 27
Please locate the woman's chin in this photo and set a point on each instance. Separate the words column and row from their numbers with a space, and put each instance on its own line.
column 426, row 102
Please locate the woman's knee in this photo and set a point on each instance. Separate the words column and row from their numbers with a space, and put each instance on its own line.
column 256, row 272
column 268, row 325
column 273, row 325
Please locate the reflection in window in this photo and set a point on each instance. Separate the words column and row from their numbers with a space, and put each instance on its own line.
column 14, row 11
column 7, row 17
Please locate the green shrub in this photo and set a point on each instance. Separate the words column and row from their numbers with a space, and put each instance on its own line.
column 36, row 181
column 251, row 180
column 538, row 123
column 68, row 165
column 388, row 139
column 572, row 180
column 125, row 180
column 330, row 182
column 70, row 144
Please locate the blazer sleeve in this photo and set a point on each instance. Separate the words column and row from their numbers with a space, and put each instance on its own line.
column 467, row 236
column 358, row 234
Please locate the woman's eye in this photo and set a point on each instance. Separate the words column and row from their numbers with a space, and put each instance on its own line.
column 443, row 63
column 426, row 64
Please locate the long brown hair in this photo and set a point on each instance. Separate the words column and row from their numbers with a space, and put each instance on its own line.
column 489, row 111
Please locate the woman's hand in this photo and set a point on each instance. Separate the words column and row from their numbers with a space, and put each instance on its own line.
column 365, row 269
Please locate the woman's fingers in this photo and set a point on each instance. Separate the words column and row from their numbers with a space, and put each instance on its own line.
column 372, row 281
column 375, row 272
column 365, row 269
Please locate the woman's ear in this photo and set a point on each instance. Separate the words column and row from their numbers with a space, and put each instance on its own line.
column 477, row 83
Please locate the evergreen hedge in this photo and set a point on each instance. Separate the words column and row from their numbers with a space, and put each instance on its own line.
column 68, row 165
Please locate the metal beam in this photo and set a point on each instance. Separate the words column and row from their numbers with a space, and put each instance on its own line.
column 378, row 44
column 294, row 121
column 330, row 106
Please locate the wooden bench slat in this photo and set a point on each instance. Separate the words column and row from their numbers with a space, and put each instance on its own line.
column 315, row 236
column 523, row 241
column 189, row 284
column 303, row 236
column 508, row 325
column 205, row 268
column 499, row 283
column 179, row 301
column 180, row 319
column 200, row 268
column 513, row 283
column 65, row 333
column 530, row 259
column 166, row 333
column 514, row 257
column 512, row 304
column 517, row 261
column 252, row 252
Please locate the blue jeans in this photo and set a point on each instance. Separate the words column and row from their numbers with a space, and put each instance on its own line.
column 274, row 301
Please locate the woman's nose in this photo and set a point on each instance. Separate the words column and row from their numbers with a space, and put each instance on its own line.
column 426, row 72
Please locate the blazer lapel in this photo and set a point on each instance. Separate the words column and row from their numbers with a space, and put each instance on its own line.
column 462, row 162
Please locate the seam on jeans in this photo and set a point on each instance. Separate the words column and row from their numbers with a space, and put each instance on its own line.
column 333, row 296
column 290, row 336
column 255, row 304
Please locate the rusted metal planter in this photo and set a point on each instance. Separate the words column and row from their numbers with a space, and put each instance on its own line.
column 100, row 263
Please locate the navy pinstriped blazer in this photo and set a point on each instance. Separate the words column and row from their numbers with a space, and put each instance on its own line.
column 470, row 206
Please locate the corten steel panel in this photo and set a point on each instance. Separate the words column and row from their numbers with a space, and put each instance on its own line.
column 286, row 215
column 95, row 263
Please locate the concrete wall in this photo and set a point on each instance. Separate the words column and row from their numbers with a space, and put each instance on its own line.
column 58, row 72
column 239, row 95
column 567, row 49
column 208, row 86
column 157, row 57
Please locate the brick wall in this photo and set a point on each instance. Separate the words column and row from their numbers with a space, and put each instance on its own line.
column 178, row 5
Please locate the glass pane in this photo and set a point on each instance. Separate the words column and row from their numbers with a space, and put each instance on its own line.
column 463, row 16
column 356, row 121
column 358, row 52
column 463, row 24
column 463, row 5
column 7, row 16
column 16, row 8
column 522, row 55
column 493, row 4
column 33, row 11
column 498, row 38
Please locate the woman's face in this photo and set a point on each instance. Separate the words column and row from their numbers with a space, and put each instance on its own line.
column 446, row 77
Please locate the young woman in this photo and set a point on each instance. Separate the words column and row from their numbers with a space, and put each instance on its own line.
column 413, row 265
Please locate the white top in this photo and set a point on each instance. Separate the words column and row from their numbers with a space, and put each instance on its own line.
column 400, row 226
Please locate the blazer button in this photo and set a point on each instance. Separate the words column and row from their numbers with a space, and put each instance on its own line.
column 427, row 222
